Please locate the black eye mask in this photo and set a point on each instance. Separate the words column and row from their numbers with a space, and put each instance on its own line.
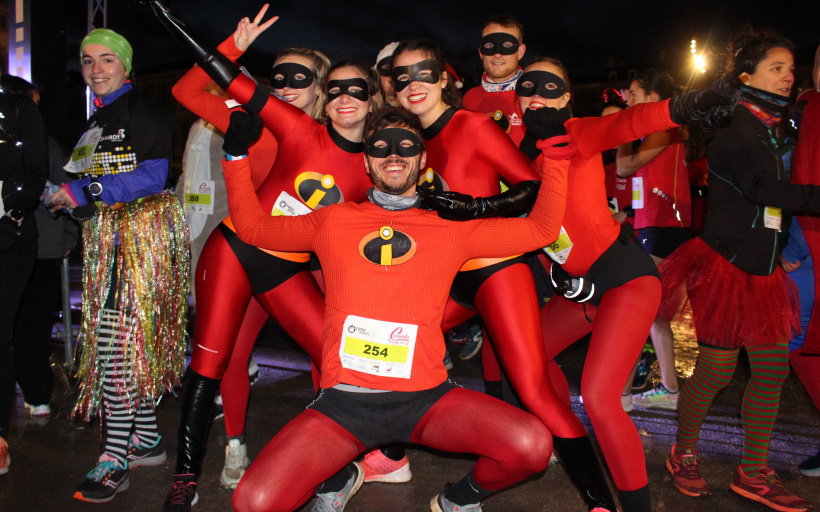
column 542, row 83
column 344, row 88
column 393, row 137
column 413, row 72
column 498, row 42
column 289, row 70
column 385, row 66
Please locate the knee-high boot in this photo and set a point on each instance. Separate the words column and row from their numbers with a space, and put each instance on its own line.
column 194, row 421
column 580, row 461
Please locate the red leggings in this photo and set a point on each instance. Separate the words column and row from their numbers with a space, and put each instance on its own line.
column 620, row 326
column 223, row 292
column 312, row 448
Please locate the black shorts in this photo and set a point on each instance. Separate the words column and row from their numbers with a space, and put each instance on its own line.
column 265, row 271
column 379, row 418
column 661, row 242
column 466, row 283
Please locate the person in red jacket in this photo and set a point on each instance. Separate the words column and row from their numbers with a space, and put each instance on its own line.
column 388, row 267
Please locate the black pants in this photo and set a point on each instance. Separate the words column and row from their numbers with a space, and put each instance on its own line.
column 32, row 331
column 16, row 265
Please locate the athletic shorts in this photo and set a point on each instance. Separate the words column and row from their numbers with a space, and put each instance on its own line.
column 379, row 418
column 661, row 242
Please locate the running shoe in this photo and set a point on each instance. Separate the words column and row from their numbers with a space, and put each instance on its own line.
column 658, row 398
column 448, row 361
column 380, row 468
column 473, row 345
column 236, row 462
column 218, row 410
column 642, row 373
column 335, row 501
column 103, row 483
column 766, row 488
column 182, row 495
column 810, row 466
column 441, row 504
column 5, row 459
column 253, row 371
column 686, row 474
column 626, row 402
column 139, row 455
column 38, row 411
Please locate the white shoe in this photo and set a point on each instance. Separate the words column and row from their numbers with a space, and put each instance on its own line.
column 236, row 462
column 626, row 402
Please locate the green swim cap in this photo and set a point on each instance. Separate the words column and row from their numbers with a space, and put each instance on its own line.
column 112, row 40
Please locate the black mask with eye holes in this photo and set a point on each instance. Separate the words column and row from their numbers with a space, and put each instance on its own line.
column 353, row 87
column 291, row 74
column 393, row 141
column 542, row 83
column 385, row 66
column 426, row 70
column 498, row 42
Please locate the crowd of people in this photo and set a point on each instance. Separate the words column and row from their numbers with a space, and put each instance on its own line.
column 370, row 210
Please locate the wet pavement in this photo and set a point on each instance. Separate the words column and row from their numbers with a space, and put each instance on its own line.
column 50, row 460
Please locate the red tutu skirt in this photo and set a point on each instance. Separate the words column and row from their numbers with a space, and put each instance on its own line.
column 727, row 307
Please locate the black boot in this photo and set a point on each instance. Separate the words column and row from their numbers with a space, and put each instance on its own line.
column 581, row 463
column 194, row 420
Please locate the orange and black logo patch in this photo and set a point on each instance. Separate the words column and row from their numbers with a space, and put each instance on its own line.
column 500, row 119
column 431, row 180
column 318, row 190
column 387, row 247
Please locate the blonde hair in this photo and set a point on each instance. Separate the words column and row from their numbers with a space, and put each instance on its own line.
column 321, row 65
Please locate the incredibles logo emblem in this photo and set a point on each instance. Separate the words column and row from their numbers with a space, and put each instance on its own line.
column 387, row 247
column 431, row 180
column 318, row 190
column 500, row 119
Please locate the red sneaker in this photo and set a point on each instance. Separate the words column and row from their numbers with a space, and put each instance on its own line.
column 685, row 473
column 379, row 468
column 766, row 488
column 5, row 460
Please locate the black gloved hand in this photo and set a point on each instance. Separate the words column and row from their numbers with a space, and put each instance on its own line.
column 545, row 123
column 243, row 131
column 456, row 206
column 708, row 106
column 84, row 212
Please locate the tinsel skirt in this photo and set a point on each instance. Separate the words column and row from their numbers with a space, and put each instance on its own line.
column 150, row 271
column 727, row 307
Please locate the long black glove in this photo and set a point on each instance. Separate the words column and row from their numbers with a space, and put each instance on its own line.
column 709, row 106
column 516, row 201
column 217, row 66
column 243, row 131
column 545, row 128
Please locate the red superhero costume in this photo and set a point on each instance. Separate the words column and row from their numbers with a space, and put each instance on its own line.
column 370, row 257
column 501, row 106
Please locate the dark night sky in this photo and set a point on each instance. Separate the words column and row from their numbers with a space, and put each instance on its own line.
column 581, row 33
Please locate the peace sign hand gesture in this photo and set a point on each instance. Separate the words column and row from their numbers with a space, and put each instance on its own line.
column 247, row 31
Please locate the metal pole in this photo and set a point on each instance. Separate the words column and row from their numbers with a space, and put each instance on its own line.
column 68, row 332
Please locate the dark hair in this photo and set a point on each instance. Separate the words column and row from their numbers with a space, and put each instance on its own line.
column 657, row 80
column 370, row 76
column 749, row 48
column 17, row 85
column 393, row 117
column 506, row 21
column 555, row 62
column 450, row 94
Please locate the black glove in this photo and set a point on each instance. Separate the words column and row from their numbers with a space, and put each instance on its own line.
column 708, row 106
column 84, row 212
column 545, row 123
column 243, row 131
column 456, row 206
column 8, row 233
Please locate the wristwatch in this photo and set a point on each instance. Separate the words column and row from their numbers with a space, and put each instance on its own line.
column 95, row 188
column 16, row 215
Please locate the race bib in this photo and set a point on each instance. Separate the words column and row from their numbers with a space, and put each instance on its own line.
column 83, row 153
column 378, row 348
column 288, row 206
column 637, row 193
column 199, row 197
column 772, row 217
column 559, row 250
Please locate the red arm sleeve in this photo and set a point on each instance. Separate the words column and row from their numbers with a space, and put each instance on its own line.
column 494, row 147
column 254, row 227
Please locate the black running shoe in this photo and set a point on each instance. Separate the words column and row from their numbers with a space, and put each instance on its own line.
column 182, row 496
column 139, row 455
column 103, row 483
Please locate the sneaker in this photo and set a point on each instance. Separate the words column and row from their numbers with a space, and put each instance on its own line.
column 335, row 501
column 218, row 411
column 448, row 361
column 473, row 344
column 38, row 411
column 5, row 459
column 103, row 483
column 236, row 462
column 441, row 504
column 810, row 466
column 139, row 455
column 253, row 371
column 766, row 488
column 380, row 468
column 658, row 398
column 685, row 473
column 641, row 374
column 626, row 402
column 182, row 495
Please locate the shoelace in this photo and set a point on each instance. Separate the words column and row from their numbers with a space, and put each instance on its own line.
column 181, row 493
column 690, row 466
column 103, row 470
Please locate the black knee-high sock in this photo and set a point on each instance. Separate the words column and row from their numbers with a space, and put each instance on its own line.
column 337, row 482
column 580, row 461
column 638, row 500
column 466, row 491
column 194, row 420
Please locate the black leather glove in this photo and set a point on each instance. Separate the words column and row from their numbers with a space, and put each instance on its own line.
column 456, row 206
column 243, row 131
column 84, row 212
column 708, row 106
column 545, row 123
